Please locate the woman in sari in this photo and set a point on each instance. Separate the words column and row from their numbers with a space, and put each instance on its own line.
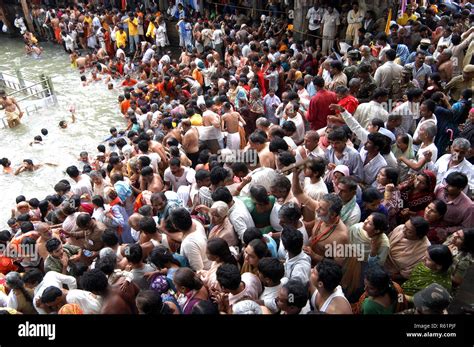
column 218, row 252
column 256, row 104
column 381, row 294
column 222, row 228
column 255, row 250
column 433, row 269
column 403, row 148
column 260, row 206
column 372, row 243
column 190, row 289
column 461, row 244
column 417, row 192
column 387, row 180
column 434, row 214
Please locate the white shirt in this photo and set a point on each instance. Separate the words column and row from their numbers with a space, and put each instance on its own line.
column 269, row 295
column 148, row 55
column 314, row 16
column 387, row 73
column 298, row 267
column 315, row 190
column 253, row 288
column 89, row 303
column 281, row 249
column 193, row 248
column 52, row 279
column 83, row 186
column 443, row 170
column 186, row 179
column 240, row 218
column 217, row 37
column 434, row 120
column 367, row 111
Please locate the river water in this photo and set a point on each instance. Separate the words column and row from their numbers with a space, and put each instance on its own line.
column 96, row 111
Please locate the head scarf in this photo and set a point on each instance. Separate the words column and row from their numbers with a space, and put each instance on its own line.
column 123, row 190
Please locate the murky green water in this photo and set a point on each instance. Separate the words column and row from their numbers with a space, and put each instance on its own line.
column 96, row 109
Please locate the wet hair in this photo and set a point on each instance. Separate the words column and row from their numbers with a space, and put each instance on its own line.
column 239, row 167
column 20, row 198
column 181, row 219
column 185, row 277
column 290, row 211
column 260, row 194
column 380, row 222
column 83, row 219
column 52, row 244
column 161, row 255
column 205, row 307
column 219, row 247
column 147, row 225
column 277, row 144
column 202, row 175
column 271, row 268
column 289, row 126
column 371, row 194
column 33, row 276
column 149, row 302
column 26, row 227
column 292, row 239
column 421, row 226
column 228, row 276
column 73, row 171
column 109, row 238
column 317, row 165
column 335, row 203
column 380, row 280
column 222, row 194
column 98, row 200
column 457, row 179
column 441, row 255
column 50, row 294
column 44, row 131
column 134, row 253
column 218, row 174
column 286, row 158
column 250, row 234
column 337, row 134
column 257, row 137
column 298, row 291
column 330, row 273
column 94, row 281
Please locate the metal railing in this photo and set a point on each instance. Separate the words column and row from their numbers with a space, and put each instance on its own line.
column 40, row 90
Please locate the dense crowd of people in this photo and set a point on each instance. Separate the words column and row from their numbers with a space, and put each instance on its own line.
column 257, row 173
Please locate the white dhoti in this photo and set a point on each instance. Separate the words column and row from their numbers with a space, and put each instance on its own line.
column 233, row 141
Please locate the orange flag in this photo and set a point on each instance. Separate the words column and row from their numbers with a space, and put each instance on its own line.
column 389, row 19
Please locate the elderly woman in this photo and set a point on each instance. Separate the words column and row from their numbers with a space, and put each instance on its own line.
column 99, row 183
column 408, row 245
column 256, row 103
column 222, row 227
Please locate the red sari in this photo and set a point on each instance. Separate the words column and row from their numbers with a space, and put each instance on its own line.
column 109, row 46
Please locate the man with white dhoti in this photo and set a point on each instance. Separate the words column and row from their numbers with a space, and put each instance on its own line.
column 230, row 123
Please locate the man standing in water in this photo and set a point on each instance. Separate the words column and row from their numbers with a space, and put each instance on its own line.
column 12, row 109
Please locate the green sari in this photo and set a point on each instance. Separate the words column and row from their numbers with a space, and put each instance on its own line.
column 261, row 220
column 421, row 277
